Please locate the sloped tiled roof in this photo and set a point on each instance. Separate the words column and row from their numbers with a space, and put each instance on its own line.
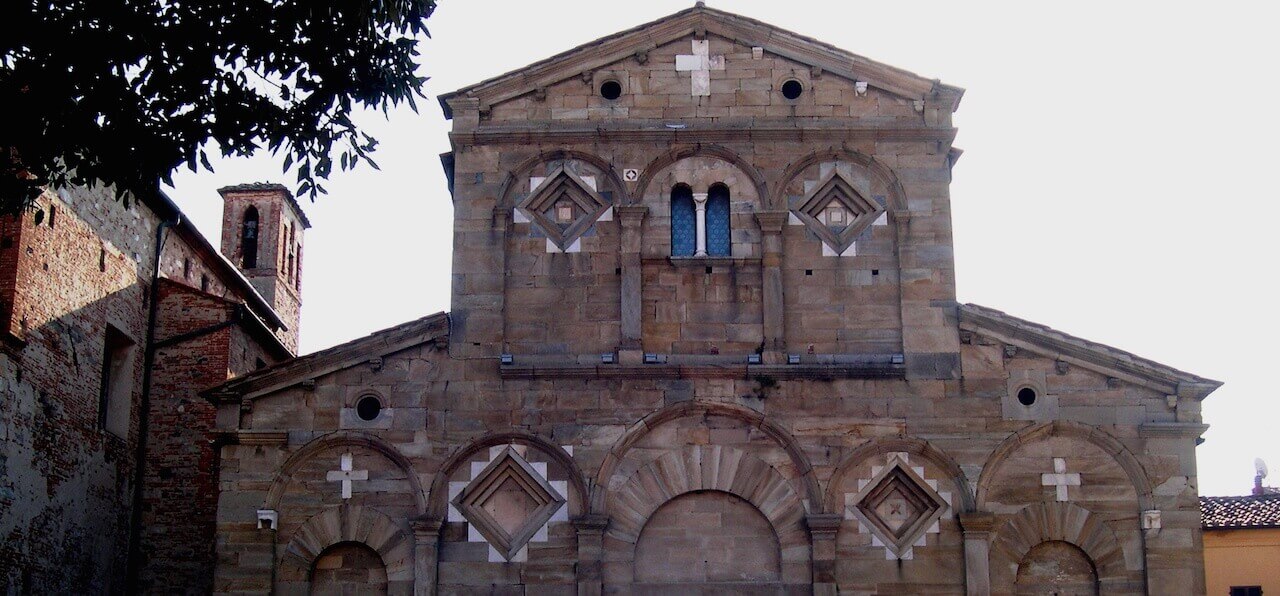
column 1250, row 511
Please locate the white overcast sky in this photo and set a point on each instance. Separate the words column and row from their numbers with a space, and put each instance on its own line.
column 1117, row 183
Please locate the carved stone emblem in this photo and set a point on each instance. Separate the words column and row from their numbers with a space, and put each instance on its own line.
column 838, row 213
column 508, row 502
column 563, row 206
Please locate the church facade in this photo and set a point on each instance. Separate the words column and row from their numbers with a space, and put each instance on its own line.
column 704, row 338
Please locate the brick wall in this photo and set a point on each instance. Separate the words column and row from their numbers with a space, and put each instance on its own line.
column 65, row 485
column 65, row 481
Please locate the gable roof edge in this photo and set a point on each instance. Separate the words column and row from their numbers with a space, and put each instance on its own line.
column 1094, row 356
column 629, row 42
column 342, row 356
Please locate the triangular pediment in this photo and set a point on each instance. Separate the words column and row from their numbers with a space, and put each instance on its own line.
column 698, row 23
column 361, row 351
column 1099, row 358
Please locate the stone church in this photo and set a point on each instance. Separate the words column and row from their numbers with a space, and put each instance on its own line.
column 704, row 338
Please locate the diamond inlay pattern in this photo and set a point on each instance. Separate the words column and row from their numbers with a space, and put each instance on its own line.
column 838, row 213
column 508, row 502
column 564, row 207
column 897, row 506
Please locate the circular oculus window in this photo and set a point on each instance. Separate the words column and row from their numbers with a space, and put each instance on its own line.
column 1027, row 396
column 368, row 408
column 611, row 90
column 792, row 89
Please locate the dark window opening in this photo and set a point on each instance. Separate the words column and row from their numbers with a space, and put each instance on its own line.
column 808, row 271
column 249, row 238
column 39, row 217
column 204, row 283
column 297, row 272
column 1246, row 591
column 114, row 398
column 683, row 222
column 368, row 408
column 102, row 259
column 53, row 213
column 1026, row 396
column 792, row 89
column 611, row 90
column 186, row 268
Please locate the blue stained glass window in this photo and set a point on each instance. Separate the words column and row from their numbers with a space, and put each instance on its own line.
column 718, row 244
column 683, row 227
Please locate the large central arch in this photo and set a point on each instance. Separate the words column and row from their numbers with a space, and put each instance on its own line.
column 810, row 492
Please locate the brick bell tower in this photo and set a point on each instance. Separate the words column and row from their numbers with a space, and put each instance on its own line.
column 262, row 229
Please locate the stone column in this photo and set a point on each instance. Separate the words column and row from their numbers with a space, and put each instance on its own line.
column 822, row 534
column 977, row 527
column 775, row 345
column 426, row 554
column 700, row 205
column 590, row 529
column 631, row 218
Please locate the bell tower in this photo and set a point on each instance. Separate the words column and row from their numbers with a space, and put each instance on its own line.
column 262, row 229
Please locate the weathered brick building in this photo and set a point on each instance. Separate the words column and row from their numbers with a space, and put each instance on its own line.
column 704, row 338
column 78, row 280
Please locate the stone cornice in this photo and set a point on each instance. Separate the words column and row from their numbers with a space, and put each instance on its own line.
column 1186, row 430
column 262, row 437
column 721, row 132
column 869, row 370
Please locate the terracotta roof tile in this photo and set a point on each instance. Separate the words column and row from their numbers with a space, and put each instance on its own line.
column 1251, row 511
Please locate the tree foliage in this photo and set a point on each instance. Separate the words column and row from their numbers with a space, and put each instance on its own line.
column 124, row 92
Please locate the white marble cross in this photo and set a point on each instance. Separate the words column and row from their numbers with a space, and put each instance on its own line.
column 699, row 66
column 346, row 475
column 1060, row 478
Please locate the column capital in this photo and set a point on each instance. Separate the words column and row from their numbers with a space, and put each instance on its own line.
column 771, row 222
column 975, row 522
column 823, row 525
column 700, row 197
column 590, row 523
column 631, row 213
column 426, row 527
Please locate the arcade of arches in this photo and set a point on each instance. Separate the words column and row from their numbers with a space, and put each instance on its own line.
column 704, row 338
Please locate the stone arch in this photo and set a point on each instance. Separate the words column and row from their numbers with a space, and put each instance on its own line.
column 513, row 177
column 755, row 419
column 1058, row 521
column 349, row 523
column 897, row 194
column 337, row 439
column 833, row 500
column 706, row 467
column 707, row 536
column 438, row 506
column 1053, row 566
column 1096, row 436
column 678, row 153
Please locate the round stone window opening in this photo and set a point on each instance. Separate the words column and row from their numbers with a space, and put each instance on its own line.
column 792, row 89
column 368, row 408
column 1027, row 396
column 611, row 90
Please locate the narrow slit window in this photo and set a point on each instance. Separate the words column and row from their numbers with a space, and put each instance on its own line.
column 683, row 223
column 115, row 397
column 249, row 238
